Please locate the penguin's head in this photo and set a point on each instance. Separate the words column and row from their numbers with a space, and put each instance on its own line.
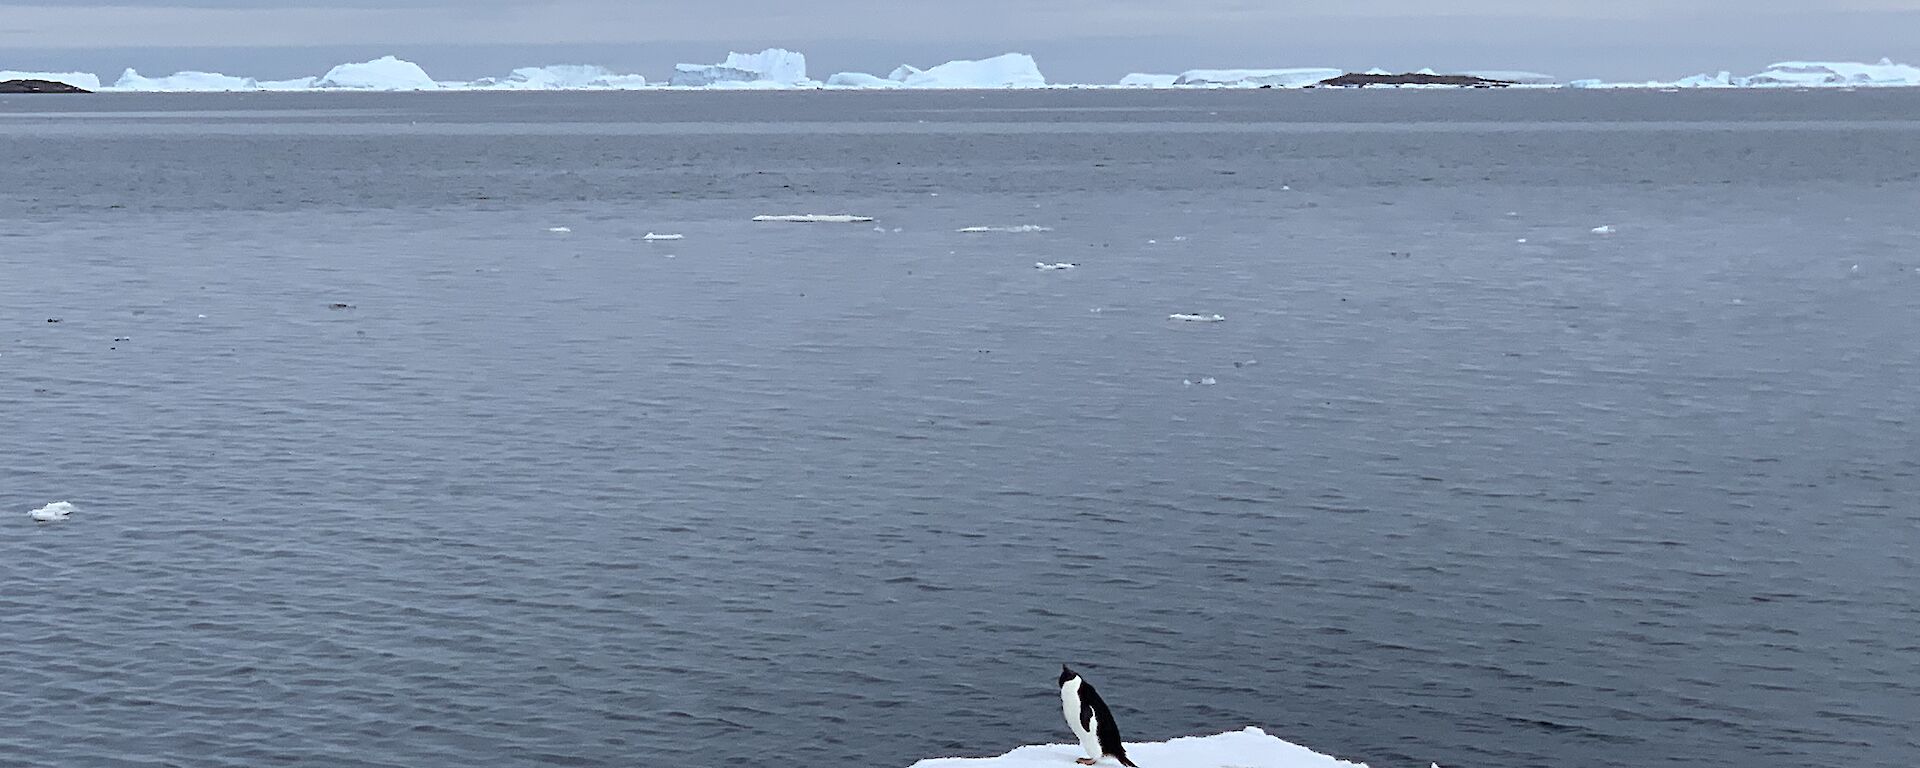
column 1067, row 674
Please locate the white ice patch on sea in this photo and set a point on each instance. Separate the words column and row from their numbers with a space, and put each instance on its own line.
column 1055, row 265
column 651, row 237
column 86, row 80
column 382, row 74
column 1017, row 228
column 54, row 512
column 1196, row 318
column 1250, row 748
column 813, row 218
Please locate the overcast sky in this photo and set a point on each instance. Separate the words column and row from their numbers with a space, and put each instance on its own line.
column 1074, row 40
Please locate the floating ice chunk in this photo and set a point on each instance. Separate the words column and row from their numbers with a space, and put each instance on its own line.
column 87, row 80
column 382, row 74
column 1204, row 381
column 559, row 229
column 1193, row 318
column 1017, row 228
column 773, row 66
column 1055, row 265
column 814, row 218
column 1146, row 80
column 652, row 236
column 1279, row 78
column 1604, row 229
column 1245, row 363
column 1830, row 73
column 1008, row 70
column 54, row 512
column 180, row 82
column 1250, row 748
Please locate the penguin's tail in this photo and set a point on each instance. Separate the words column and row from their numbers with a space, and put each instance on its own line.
column 1122, row 757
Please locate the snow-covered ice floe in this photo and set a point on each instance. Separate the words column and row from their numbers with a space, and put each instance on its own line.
column 1193, row 318
column 1250, row 748
column 1604, row 229
column 86, row 80
column 1018, row 228
column 50, row 513
column 651, row 236
column 1055, row 265
column 560, row 229
column 814, row 218
column 1252, row 78
column 772, row 68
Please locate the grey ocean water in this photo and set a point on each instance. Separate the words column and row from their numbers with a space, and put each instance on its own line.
column 1498, row 492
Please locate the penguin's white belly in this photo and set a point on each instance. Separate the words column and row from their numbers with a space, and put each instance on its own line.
column 1070, row 707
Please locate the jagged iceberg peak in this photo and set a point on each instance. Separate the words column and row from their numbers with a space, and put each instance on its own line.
column 382, row 74
column 773, row 66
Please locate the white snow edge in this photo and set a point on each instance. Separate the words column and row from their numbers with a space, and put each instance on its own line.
column 1249, row 748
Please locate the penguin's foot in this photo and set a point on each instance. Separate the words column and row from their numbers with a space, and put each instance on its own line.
column 1085, row 760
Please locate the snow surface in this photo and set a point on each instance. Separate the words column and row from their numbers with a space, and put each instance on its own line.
column 1250, row 748
column 1008, row 70
column 86, row 80
column 382, row 74
column 773, row 66
column 1144, row 80
column 814, row 218
column 1249, row 78
column 562, row 77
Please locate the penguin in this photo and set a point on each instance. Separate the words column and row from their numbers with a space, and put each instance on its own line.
column 1090, row 720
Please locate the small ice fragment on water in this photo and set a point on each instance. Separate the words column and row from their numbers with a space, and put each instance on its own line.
column 896, row 229
column 1018, row 228
column 1244, row 363
column 1285, row 188
column 1195, row 318
column 879, row 229
column 1521, row 240
column 1856, row 268
column 1513, row 213
column 1056, row 265
column 652, row 236
column 1179, row 238
column 1209, row 381
column 203, row 317
column 51, row 512
column 1151, row 242
column 814, row 218
column 1097, row 309
column 559, row 229
column 1604, row 229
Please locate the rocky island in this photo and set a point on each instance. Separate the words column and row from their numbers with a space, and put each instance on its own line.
column 1364, row 79
column 39, row 86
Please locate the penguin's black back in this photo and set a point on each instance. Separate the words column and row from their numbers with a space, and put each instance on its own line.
column 1104, row 727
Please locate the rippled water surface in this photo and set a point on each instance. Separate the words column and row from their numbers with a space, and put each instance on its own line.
column 1475, row 484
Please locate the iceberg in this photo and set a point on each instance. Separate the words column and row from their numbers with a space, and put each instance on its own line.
column 1144, row 80
column 382, row 74
column 1247, row 78
column 1249, row 748
column 1008, row 70
column 86, row 80
column 771, row 67
column 181, row 82
column 1828, row 73
column 562, row 77
column 861, row 80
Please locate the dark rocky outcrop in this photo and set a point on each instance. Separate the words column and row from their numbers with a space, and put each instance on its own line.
column 39, row 86
column 1360, row 80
